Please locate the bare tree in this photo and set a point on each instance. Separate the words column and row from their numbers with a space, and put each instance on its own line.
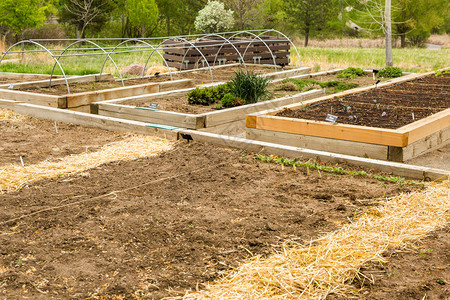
column 85, row 12
column 246, row 10
column 379, row 17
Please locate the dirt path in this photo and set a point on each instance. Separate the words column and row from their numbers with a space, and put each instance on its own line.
column 194, row 212
column 36, row 140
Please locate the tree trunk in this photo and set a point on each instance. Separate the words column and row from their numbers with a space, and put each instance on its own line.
column 402, row 40
column 306, row 36
column 168, row 26
column 388, row 33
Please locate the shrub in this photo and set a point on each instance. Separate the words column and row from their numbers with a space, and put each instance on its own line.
column 390, row 72
column 249, row 87
column 214, row 18
column 207, row 95
column 351, row 73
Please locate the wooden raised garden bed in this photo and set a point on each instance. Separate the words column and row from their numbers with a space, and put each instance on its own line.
column 85, row 89
column 183, row 56
column 395, row 121
column 176, row 112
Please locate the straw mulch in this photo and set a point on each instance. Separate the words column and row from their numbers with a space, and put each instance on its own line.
column 8, row 115
column 13, row 177
column 330, row 263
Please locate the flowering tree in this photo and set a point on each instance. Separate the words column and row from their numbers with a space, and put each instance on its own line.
column 214, row 18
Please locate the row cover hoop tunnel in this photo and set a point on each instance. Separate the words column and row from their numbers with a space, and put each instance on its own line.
column 175, row 42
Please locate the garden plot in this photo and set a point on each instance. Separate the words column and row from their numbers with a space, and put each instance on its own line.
column 396, row 121
column 91, row 88
column 158, row 226
column 94, row 87
column 174, row 109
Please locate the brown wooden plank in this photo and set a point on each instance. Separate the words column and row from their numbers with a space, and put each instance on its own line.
column 426, row 126
column 34, row 98
column 319, row 143
column 355, row 133
column 80, row 99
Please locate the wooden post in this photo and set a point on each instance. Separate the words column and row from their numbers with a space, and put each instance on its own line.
column 388, row 33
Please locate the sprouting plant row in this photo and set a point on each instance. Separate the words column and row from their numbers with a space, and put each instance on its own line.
column 335, row 170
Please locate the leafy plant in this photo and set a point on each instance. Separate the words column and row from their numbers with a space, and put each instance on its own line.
column 249, row 87
column 390, row 72
column 351, row 73
column 227, row 100
column 207, row 95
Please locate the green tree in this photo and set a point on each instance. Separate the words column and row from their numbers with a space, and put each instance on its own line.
column 142, row 17
column 309, row 15
column 23, row 14
column 416, row 19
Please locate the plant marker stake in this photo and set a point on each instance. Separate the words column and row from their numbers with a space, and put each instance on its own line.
column 21, row 160
column 56, row 127
column 413, row 116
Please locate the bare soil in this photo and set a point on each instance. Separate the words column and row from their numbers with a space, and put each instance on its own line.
column 156, row 227
column 391, row 107
column 36, row 140
column 422, row 272
column 199, row 77
column 180, row 104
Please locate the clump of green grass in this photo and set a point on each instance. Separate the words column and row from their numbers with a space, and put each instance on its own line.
column 249, row 87
column 351, row 73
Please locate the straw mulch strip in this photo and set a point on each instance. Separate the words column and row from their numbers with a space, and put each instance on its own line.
column 330, row 263
column 8, row 115
column 13, row 177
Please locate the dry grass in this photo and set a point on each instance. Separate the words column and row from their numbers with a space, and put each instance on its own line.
column 10, row 116
column 13, row 177
column 349, row 43
column 440, row 39
column 328, row 264
column 2, row 43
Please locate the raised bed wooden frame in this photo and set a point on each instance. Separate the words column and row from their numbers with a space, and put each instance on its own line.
column 126, row 107
column 398, row 145
column 82, row 101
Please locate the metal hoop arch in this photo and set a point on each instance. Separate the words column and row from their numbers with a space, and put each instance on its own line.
column 49, row 52
column 96, row 45
column 198, row 50
column 290, row 41
column 227, row 40
column 140, row 41
column 248, row 32
column 267, row 46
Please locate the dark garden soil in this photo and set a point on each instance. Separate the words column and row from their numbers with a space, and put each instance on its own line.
column 180, row 104
column 158, row 226
column 36, row 140
column 199, row 77
column 422, row 272
column 391, row 107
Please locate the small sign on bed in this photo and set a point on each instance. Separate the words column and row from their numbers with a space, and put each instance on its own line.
column 331, row 118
